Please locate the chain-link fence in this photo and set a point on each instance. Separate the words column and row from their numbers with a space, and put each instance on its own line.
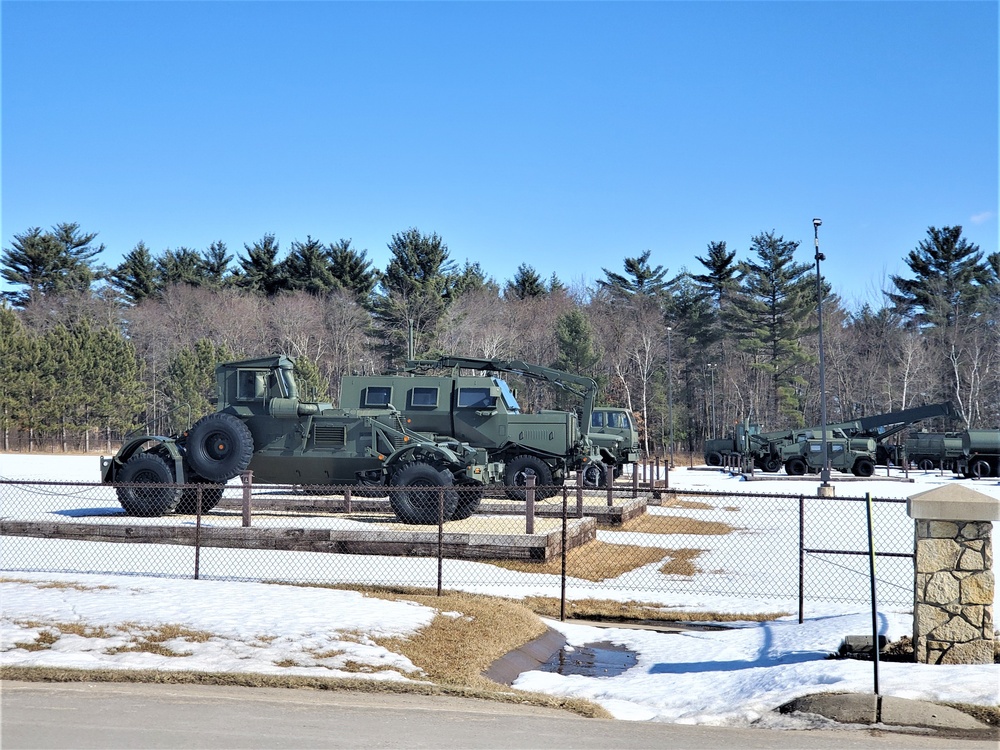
column 632, row 542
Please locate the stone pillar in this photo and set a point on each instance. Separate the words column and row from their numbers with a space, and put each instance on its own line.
column 954, row 583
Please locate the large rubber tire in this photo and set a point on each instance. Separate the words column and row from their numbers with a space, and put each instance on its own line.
column 863, row 467
column 595, row 475
column 926, row 464
column 219, row 447
column 795, row 467
column 414, row 494
column 980, row 469
column 713, row 458
column 469, row 497
column 148, row 468
column 517, row 471
column 771, row 464
column 211, row 495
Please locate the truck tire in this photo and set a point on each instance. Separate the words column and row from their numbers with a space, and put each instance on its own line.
column 516, row 473
column 713, row 458
column 148, row 468
column 771, row 464
column 414, row 494
column 863, row 467
column 219, row 447
column 469, row 497
column 211, row 495
column 926, row 464
column 980, row 468
column 795, row 467
column 595, row 474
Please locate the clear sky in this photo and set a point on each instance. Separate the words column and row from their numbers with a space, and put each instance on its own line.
column 566, row 136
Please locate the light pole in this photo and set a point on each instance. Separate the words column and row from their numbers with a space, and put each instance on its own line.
column 670, row 395
column 825, row 472
column 711, row 369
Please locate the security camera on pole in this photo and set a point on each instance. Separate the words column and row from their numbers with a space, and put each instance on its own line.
column 825, row 489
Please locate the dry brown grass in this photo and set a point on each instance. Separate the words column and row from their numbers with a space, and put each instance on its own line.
column 55, row 584
column 152, row 639
column 647, row 524
column 681, row 563
column 593, row 561
column 639, row 612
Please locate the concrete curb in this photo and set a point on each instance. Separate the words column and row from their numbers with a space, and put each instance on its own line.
column 862, row 708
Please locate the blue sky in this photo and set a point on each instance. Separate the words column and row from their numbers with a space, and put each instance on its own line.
column 566, row 136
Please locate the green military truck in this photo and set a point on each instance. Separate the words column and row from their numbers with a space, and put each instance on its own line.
column 435, row 396
column 853, row 455
column 262, row 425
column 769, row 451
column 933, row 450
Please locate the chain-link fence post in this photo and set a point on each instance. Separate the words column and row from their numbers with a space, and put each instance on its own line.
column 247, row 488
column 529, row 504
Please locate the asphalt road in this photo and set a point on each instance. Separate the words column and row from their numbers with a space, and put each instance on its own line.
column 122, row 715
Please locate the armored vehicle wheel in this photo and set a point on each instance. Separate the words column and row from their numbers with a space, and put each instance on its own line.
column 211, row 494
column 926, row 464
column 617, row 471
column 148, row 468
column 863, row 467
column 469, row 497
column 517, row 471
column 795, row 467
column 595, row 475
column 219, row 447
column 980, row 469
column 771, row 464
column 415, row 493
column 714, row 459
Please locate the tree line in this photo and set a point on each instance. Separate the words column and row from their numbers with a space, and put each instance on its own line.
column 89, row 352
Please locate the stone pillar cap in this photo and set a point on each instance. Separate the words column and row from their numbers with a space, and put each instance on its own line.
column 953, row 503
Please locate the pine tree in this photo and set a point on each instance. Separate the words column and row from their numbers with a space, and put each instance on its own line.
column 639, row 279
column 414, row 292
column 13, row 339
column 190, row 382
column 352, row 270
column 308, row 268
column 136, row 276
column 770, row 315
column 49, row 263
column 215, row 265
column 260, row 271
column 950, row 278
column 181, row 266
column 526, row 284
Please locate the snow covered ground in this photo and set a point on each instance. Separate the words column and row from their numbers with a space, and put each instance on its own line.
column 734, row 676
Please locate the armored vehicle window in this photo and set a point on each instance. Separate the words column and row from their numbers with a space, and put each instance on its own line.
column 815, row 447
column 422, row 396
column 597, row 420
column 251, row 385
column 475, row 398
column 378, row 395
column 619, row 419
column 836, row 448
column 508, row 396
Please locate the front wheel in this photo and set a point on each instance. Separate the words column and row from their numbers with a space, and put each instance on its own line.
column 863, row 467
column 795, row 467
column 771, row 464
column 926, row 464
column 516, row 473
column 595, row 474
column 713, row 458
column 469, row 497
column 158, row 500
column 415, row 494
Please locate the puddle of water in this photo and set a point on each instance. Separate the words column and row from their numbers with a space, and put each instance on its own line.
column 601, row 659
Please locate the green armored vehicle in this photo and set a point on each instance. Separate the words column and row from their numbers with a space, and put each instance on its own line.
column 482, row 410
column 854, row 455
column 262, row 425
